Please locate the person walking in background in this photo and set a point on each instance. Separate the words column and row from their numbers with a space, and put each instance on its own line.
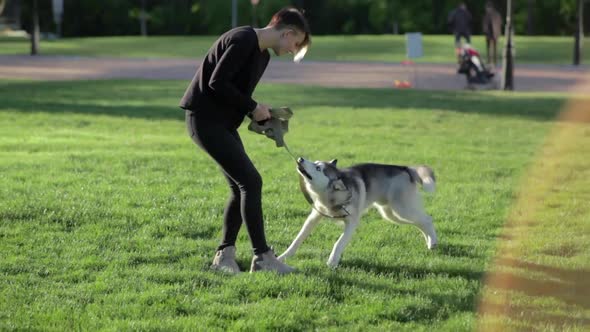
column 492, row 28
column 459, row 21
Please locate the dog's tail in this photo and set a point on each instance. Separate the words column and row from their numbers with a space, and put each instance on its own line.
column 425, row 176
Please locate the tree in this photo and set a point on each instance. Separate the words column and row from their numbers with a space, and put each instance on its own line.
column 58, row 8
column 579, row 33
column 143, row 19
column 35, row 30
column 508, row 74
column 254, row 15
column 234, row 13
column 530, row 25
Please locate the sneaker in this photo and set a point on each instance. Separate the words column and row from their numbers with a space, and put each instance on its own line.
column 268, row 262
column 225, row 261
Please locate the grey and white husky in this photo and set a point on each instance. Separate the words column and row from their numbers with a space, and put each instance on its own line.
column 347, row 193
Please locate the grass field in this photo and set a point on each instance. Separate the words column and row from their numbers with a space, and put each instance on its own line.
column 379, row 48
column 109, row 215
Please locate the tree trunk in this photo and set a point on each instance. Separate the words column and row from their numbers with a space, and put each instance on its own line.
column 35, row 30
column 234, row 13
column 143, row 19
column 508, row 65
column 578, row 37
column 254, row 17
column 17, row 11
column 530, row 24
column 437, row 12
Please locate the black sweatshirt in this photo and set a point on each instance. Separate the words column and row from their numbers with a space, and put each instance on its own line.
column 460, row 21
column 222, row 88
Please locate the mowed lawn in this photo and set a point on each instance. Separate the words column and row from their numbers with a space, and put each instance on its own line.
column 372, row 48
column 109, row 215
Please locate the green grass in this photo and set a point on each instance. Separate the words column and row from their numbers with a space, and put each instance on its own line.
column 109, row 215
column 379, row 48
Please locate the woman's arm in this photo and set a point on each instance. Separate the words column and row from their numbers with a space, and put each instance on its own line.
column 228, row 65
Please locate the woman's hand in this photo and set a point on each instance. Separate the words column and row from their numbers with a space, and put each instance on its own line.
column 261, row 113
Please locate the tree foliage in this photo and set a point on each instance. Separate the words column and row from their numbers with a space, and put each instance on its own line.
column 166, row 17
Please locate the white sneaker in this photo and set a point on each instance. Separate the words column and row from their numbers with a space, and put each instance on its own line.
column 225, row 261
column 268, row 262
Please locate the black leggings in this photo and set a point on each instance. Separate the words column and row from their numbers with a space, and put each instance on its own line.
column 458, row 36
column 245, row 201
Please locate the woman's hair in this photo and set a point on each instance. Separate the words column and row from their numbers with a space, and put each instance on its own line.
column 290, row 17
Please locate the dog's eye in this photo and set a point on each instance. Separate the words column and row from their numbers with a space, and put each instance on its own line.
column 317, row 168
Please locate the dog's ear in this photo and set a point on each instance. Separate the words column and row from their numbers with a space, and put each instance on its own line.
column 333, row 162
column 338, row 185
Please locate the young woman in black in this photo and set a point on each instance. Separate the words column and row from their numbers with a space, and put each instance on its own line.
column 216, row 102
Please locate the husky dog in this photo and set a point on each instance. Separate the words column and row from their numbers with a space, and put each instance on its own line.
column 347, row 193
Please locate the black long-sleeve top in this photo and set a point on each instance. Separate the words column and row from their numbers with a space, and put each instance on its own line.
column 460, row 21
column 224, row 82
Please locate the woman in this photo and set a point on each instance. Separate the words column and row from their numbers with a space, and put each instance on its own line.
column 492, row 28
column 216, row 102
column 460, row 22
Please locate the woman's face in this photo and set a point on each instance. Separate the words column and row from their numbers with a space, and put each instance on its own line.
column 290, row 42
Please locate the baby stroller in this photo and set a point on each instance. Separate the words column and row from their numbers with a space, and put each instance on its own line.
column 472, row 66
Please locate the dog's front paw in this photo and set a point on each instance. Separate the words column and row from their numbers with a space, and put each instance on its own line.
column 333, row 264
column 431, row 243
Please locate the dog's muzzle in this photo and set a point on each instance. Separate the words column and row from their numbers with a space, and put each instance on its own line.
column 301, row 169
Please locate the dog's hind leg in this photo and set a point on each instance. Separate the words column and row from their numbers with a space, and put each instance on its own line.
column 412, row 213
column 311, row 221
column 349, row 227
column 425, row 226
column 387, row 213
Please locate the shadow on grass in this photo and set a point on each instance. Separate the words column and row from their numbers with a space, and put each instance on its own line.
column 410, row 271
column 533, row 314
column 455, row 250
column 439, row 305
column 509, row 105
column 159, row 99
column 568, row 286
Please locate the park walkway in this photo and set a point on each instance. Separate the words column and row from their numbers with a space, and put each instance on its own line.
column 558, row 78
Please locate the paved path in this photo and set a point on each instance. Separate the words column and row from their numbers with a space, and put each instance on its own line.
column 335, row 74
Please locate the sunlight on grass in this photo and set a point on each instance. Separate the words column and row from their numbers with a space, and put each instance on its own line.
column 541, row 276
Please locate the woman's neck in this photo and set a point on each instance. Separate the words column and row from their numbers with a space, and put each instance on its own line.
column 267, row 37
